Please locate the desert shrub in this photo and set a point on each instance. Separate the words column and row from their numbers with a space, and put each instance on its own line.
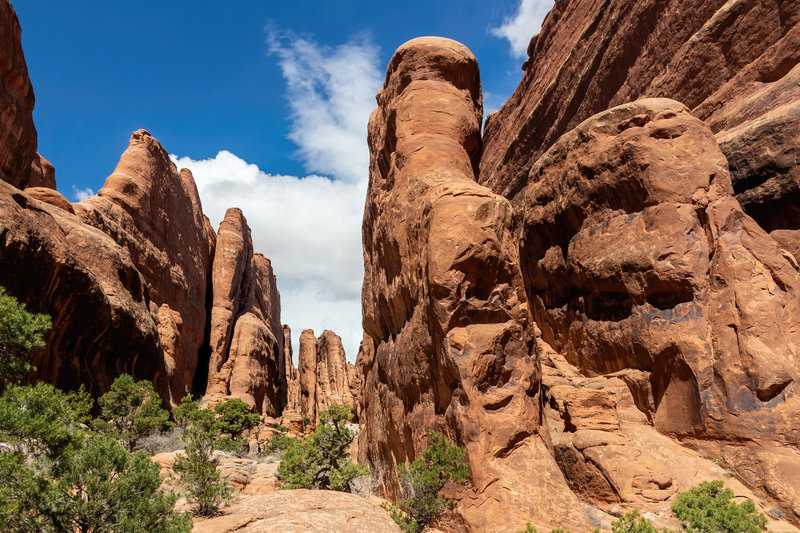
column 320, row 460
column 21, row 334
column 277, row 444
column 131, row 410
column 633, row 522
column 205, row 432
column 60, row 476
column 421, row 481
column 708, row 508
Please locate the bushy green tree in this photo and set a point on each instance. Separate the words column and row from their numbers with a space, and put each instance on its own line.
column 633, row 522
column 21, row 334
column 206, row 432
column 131, row 410
column 320, row 460
column 424, row 478
column 708, row 508
column 58, row 476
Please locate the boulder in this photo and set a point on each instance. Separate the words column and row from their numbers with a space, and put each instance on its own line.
column 43, row 173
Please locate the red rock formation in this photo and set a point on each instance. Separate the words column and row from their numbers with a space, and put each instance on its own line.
column 88, row 284
column 246, row 340
column 50, row 196
column 333, row 385
column 43, row 173
column 307, row 368
column 638, row 259
column 734, row 63
column 154, row 212
column 17, row 132
column 444, row 302
column 293, row 394
column 324, row 374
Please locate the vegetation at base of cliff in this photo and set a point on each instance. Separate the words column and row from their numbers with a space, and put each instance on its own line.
column 206, row 431
column 633, row 522
column 320, row 460
column 708, row 508
column 131, row 411
column 58, row 475
column 422, row 480
column 21, row 334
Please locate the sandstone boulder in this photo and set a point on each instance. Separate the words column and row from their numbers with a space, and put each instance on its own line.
column 246, row 339
column 734, row 63
column 43, row 173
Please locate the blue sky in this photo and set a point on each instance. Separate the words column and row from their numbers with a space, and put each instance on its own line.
column 265, row 101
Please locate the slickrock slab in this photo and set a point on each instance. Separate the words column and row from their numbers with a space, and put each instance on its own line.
column 299, row 511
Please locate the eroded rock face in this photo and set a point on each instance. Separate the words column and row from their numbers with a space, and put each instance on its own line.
column 324, row 376
column 43, row 173
column 154, row 212
column 444, row 302
column 333, row 383
column 636, row 255
column 733, row 63
column 293, row 394
column 638, row 260
column 91, row 288
column 17, row 132
column 307, row 369
column 246, row 340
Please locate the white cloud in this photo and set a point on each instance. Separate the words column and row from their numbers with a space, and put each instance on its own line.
column 523, row 25
column 331, row 92
column 81, row 194
column 310, row 227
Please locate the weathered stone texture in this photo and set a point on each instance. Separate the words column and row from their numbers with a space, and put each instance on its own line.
column 246, row 340
column 17, row 132
column 154, row 212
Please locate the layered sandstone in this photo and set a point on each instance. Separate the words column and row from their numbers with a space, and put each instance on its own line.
column 246, row 338
column 444, row 301
column 154, row 213
column 43, row 173
column 324, row 375
column 97, row 299
column 293, row 393
column 664, row 312
column 17, row 132
column 734, row 63
column 640, row 264
column 307, row 370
